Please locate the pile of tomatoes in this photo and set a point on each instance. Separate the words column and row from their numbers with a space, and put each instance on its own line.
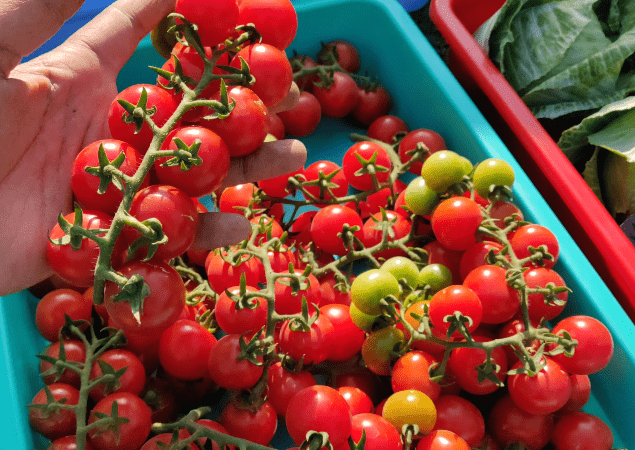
column 401, row 315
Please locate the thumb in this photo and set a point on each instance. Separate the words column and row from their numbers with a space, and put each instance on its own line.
column 115, row 33
column 27, row 24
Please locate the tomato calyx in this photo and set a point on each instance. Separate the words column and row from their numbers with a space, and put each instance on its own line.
column 316, row 440
column 107, row 171
column 75, row 233
column 139, row 113
column 186, row 156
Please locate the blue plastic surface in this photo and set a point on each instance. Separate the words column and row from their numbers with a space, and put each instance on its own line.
column 426, row 95
column 88, row 10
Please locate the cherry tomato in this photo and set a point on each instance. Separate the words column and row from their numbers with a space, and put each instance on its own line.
column 442, row 440
column 345, row 53
column 156, row 97
column 410, row 407
column 419, row 198
column 228, row 369
column 424, row 345
column 499, row 300
column 288, row 302
column 340, row 98
column 492, row 172
column 300, row 62
column 277, row 186
column 411, row 372
column 455, row 222
column 464, row 361
column 304, row 118
column 344, row 330
column 476, row 256
column 545, row 393
column 132, row 380
column 582, row 431
column 373, row 235
column 160, row 308
column 249, row 113
column 204, row 178
column 211, row 32
column 370, row 287
column 276, row 20
column 234, row 198
column 430, row 139
column 510, row 424
column 501, row 210
column 442, row 169
column 594, row 349
column 452, row 299
column 240, row 421
column 402, row 268
column 326, row 169
column 537, row 305
column 223, row 275
column 319, row 408
column 184, row 349
column 131, row 434
column 533, row 235
column 329, row 222
column 282, row 385
column 313, row 346
column 57, row 422
column 77, row 267
column 367, row 150
column 460, row 416
column 238, row 321
column 580, row 394
column 74, row 351
column 358, row 401
column 380, row 434
column 178, row 216
column 51, row 309
column 68, row 443
column 385, row 128
column 379, row 347
column 85, row 185
column 272, row 71
column 372, row 104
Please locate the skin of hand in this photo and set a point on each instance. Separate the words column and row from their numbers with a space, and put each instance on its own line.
column 54, row 105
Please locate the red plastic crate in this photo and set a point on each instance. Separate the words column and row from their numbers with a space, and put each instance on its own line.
column 587, row 220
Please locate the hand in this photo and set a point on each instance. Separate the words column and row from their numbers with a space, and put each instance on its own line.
column 54, row 105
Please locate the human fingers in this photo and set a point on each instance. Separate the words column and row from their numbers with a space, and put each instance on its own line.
column 27, row 24
column 115, row 33
column 270, row 160
column 216, row 230
column 288, row 102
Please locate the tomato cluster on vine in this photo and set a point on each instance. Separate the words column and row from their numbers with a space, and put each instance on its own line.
column 363, row 311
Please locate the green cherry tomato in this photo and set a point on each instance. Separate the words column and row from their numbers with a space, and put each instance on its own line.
column 410, row 407
column 361, row 320
column 467, row 165
column 490, row 172
column 437, row 276
column 419, row 198
column 442, row 169
column 402, row 268
column 370, row 287
column 379, row 347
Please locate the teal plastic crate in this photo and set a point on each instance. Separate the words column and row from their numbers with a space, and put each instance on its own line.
column 425, row 94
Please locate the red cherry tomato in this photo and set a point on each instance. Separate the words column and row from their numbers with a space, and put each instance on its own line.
column 178, row 216
column 329, row 222
column 340, row 98
column 460, row 416
column 132, row 380
column 184, row 348
column 319, row 408
column 510, row 424
column 366, row 150
column 131, row 434
column 272, row 71
column 385, row 128
column 157, row 97
column 372, row 104
column 51, row 309
column 249, row 113
column 57, row 423
column 455, row 298
column 455, row 222
column 533, row 235
column 276, row 20
column 211, row 32
column 314, row 346
column 545, row 393
column 160, row 309
column 259, row 426
column 201, row 179
column 411, row 372
column 85, row 185
column 430, row 139
column 500, row 301
column 282, row 385
column 304, row 118
column 238, row 321
column 345, row 53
